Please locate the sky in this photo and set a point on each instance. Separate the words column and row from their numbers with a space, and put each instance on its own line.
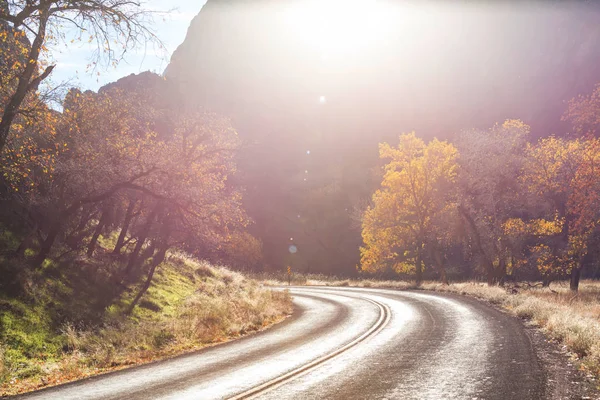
column 171, row 29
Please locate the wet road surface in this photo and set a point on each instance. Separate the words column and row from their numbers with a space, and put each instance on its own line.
column 347, row 343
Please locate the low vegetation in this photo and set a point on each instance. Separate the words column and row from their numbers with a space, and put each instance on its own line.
column 190, row 305
column 572, row 319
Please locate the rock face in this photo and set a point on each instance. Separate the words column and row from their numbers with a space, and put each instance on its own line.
column 440, row 70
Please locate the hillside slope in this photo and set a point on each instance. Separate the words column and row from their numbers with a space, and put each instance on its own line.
column 52, row 335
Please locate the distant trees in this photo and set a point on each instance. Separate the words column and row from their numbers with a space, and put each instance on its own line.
column 508, row 204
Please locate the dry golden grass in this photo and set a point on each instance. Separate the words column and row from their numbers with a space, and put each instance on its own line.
column 3, row 370
column 222, row 305
column 570, row 319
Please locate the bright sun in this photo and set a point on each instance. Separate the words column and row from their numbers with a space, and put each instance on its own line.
column 339, row 27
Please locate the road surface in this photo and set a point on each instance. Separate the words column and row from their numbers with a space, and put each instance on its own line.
column 347, row 343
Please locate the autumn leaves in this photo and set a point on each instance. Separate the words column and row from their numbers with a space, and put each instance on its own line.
column 491, row 200
column 403, row 223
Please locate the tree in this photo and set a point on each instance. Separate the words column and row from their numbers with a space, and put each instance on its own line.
column 583, row 112
column 550, row 175
column 530, row 240
column 399, row 226
column 240, row 250
column 490, row 164
column 585, row 206
column 116, row 26
column 29, row 153
column 132, row 149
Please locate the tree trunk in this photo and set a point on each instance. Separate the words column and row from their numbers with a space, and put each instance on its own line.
column 146, row 254
column 439, row 260
column 575, row 275
column 49, row 241
column 125, row 227
column 133, row 257
column 501, row 272
column 80, row 232
column 47, row 245
column 418, row 268
column 87, row 214
column 158, row 258
column 26, row 243
column 489, row 267
column 101, row 223
column 546, row 281
column 443, row 276
column 490, row 273
column 25, row 82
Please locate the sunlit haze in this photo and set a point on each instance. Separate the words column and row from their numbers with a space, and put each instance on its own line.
column 381, row 199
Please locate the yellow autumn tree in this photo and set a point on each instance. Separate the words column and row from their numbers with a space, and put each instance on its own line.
column 550, row 176
column 404, row 218
column 533, row 237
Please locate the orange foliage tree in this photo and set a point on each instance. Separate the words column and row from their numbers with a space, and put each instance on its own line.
column 159, row 173
column 583, row 112
column 561, row 176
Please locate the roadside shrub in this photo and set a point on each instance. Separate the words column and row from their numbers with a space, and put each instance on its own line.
column 162, row 338
column 28, row 370
column 204, row 271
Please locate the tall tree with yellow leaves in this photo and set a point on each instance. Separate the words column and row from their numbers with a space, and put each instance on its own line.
column 550, row 174
column 398, row 228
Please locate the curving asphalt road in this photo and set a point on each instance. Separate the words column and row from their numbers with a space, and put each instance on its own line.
column 347, row 343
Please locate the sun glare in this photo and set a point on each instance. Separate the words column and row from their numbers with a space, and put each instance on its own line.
column 339, row 27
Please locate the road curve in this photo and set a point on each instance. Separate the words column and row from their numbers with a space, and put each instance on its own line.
column 347, row 343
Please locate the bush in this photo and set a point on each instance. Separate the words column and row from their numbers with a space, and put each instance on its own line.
column 162, row 338
column 204, row 271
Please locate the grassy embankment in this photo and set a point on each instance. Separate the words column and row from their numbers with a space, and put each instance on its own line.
column 570, row 319
column 190, row 305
